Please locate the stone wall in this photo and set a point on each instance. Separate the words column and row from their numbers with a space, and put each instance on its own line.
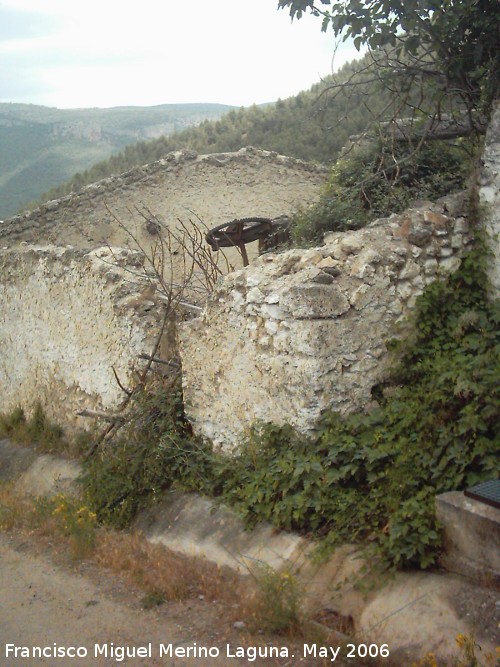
column 214, row 188
column 67, row 318
column 298, row 332
column 490, row 194
column 69, row 314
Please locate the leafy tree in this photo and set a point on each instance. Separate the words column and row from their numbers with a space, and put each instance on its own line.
column 438, row 64
column 456, row 42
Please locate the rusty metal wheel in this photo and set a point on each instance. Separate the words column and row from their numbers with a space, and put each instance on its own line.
column 238, row 232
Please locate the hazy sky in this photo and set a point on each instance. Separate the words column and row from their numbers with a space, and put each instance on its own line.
column 84, row 53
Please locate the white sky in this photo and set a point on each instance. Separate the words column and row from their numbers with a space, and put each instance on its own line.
column 102, row 53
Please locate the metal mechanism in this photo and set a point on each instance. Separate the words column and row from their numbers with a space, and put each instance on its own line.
column 241, row 231
column 486, row 492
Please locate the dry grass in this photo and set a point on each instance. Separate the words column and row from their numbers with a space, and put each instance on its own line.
column 37, row 428
column 158, row 570
column 152, row 567
column 267, row 601
column 15, row 510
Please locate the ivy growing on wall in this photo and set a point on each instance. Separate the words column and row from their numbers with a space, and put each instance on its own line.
column 365, row 478
column 373, row 477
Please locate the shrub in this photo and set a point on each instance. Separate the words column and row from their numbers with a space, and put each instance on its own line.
column 37, row 430
column 275, row 603
column 157, row 450
column 374, row 180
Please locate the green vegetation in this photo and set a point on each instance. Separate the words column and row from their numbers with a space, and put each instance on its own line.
column 374, row 477
column 42, row 146
column 38, row 430
column 45, row 435
column 374, row 180
column 60, row 516
column 156, row 452
column 437, row 67
column 454, row 43
column 277, row 605
column 365, row 478
column 162, row 574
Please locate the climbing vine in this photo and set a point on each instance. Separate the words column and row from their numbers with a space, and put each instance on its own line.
column 366, row 478
column 373, row 477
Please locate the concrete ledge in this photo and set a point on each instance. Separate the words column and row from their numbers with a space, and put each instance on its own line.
column 197, row 526
column 37, row 474
column 14, row 460
column 48, row 476
column 471, row 536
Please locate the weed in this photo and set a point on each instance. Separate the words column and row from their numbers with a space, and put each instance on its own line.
column 274, row 605
column 154, row 599
column 68, row 518
column 156, row 452
column 160, row 571
column 368, row 182
column 469, row 650
column 153, row 567
column 11, row 423
column 429, row 660
column 81, row 443
column 57, row 516
column 270, row 601
column 38, row 430
column 13, row 509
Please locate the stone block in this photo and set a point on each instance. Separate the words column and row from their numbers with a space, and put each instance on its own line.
column 471, row 536
column 314, row 301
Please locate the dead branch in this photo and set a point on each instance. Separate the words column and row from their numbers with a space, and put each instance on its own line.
column 440, row 129
column 177, row 264
column 156, row 360
column 105, row 416
column 124, row 389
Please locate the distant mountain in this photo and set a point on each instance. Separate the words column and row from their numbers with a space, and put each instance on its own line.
column 41, row 147
column 313, row 125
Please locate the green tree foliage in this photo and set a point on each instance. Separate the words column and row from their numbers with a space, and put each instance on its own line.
column 455, row 42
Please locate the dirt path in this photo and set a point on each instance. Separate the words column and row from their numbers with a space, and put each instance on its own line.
column 43, row 603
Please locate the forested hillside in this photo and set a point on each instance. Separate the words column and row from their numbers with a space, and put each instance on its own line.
column 313, row 125
column 42, row 147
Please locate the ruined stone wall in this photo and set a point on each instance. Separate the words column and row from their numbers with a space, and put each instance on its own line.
column 490, row 194
column 69, row 315
column 214, row 188
column 67, row 318
column 298, row 332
